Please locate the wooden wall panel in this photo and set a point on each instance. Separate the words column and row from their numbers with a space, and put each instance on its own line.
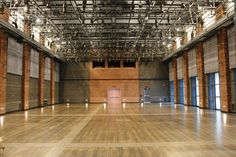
column 101, row 79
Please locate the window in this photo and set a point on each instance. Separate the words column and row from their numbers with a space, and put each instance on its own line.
column 217, row 88
column 129, row 64
column 114, row 64
column 98, row 64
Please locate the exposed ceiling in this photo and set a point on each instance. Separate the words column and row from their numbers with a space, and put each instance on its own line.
column 113, row 29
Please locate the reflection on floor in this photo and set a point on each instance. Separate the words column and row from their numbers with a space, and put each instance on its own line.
column 125, row 130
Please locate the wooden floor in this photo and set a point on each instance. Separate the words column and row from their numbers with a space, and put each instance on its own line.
column 126, row 130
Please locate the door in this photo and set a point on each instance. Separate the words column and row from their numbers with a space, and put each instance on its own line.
column 181, row 91
column 171, row 91
column 211, row 91
column 193, row 91
column 114, row 96
column 197, row 91
column 147, row 95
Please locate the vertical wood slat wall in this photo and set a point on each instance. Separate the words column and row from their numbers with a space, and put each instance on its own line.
column 211, row 55
column 192, row 63
column 17, row 82
column 212, row 63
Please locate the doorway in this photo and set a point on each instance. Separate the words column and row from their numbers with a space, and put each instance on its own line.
column 114, row 95
column 181, row 91
column 214, row 91
column 172, row 91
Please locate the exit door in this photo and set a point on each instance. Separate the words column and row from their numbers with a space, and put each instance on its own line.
column 214, row 91
column 193, row 91
column 181, row 91
column 147, row 95
column 114, row 96
column 172, row 91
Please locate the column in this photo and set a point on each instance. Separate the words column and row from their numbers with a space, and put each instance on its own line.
column 186, row 79
column 223, row 55
column 52, row 84
column 27, row 27
column 199, row 26
column 176, row 86
column 42, row 39
column 25, row 76
column 3, row 70
column 201, row 76
column 184, row 38
column 41, row 77
column 219, row 12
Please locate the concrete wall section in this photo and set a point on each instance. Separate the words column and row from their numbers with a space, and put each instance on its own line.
column 74, row 90
column 156, row 76
column 74, row 85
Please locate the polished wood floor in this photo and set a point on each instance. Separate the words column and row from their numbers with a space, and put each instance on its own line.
column 125, row 130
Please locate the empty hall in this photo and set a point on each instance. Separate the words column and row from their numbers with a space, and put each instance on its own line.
column 117, row 78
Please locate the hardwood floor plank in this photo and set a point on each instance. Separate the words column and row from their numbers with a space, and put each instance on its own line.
column 124, row 130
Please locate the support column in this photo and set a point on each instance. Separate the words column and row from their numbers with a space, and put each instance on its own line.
column 3, row 70
column 201, row 76
column 42, row 39
column 219, row 11
column 223, row 55
column 199, row 27
column 52, row 84
column 25, row 76
column 184, row 38
column 41, row 77
column 175, row 78
column 27, row 27
column 186, row 79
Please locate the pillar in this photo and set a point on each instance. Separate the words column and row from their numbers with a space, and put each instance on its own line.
column 184, row 38
column 219, row 12
column 199, row 28
column 25, row 76
column 3, row 70
column 174, row 46
column 176, row 86
column 201, row 75
column 27, row 27
column 186, row 79
column 52, row 83
column 223, row 55
column 42, row 39
column 41, row 77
